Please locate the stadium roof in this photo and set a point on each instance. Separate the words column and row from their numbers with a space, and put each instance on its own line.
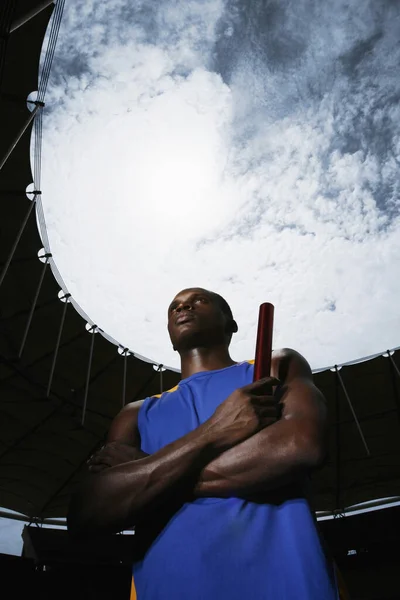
column 62, row 380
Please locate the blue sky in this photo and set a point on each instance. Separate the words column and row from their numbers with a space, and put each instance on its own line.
column 249, row 148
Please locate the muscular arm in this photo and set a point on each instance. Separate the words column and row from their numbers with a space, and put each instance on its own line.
column 117, row 497
column 281, row 453
column 123, row 488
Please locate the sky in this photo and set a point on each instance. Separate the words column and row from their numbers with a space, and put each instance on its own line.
column 11, row 535
column 249, row 148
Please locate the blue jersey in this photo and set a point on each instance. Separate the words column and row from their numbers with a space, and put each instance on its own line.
column 226, row 548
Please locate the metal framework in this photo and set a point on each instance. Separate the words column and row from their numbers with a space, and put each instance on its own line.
column 357, row 422
column 20, row 133
column 56, row 349
column 93, row 331
column 17, row 239
column 35, row 299
column 30, row 15
column 35, row 377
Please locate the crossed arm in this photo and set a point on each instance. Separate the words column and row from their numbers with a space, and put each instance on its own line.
column 282, row 453
column 134, row 484
column 278, row 455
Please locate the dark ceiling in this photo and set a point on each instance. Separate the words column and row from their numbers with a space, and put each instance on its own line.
column 43, row 444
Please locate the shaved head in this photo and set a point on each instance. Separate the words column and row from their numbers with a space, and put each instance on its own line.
column 214, row 318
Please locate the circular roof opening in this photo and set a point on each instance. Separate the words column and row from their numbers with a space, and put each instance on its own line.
column 181, row 149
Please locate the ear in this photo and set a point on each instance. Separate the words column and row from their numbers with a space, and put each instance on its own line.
column 231, row 328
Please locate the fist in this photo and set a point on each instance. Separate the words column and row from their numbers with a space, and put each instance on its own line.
column 113, row 454
column 246, row 411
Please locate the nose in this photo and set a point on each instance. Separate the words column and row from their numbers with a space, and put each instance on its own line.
column 184, row 306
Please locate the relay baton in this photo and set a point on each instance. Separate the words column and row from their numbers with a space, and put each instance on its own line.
column 262, row 363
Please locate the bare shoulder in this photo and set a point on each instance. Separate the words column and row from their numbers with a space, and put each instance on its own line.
column 124, row 428
column 289, row 364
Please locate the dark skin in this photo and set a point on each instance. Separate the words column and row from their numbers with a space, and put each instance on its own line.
column 256, row 442
column 203, row 341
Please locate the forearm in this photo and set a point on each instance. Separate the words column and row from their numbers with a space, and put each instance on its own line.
column 117, row 497
column 277, row 456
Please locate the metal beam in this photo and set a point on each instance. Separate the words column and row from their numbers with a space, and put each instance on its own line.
column 18, row 517
column 393, row 363
column 21, row 132
column 17, row 372
column 6, row 17
column 18, row 193
column 60, row 330
column 30, row 15
column 320, row 514
column 352, row 411
column 126, row 352
column 93, row 330
column 16, row 241
column 98, row 374
column 22, row 312
column 41, row 388
column 139, row 393
column 337, row 443
column 393, row 370
column 39, row 287
column 380, row 503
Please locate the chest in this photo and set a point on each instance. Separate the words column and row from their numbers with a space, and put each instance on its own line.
column 175, row 414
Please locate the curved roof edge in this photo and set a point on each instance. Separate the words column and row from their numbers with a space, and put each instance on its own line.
column 356, row 361
column 41, row 227
column 147, row 359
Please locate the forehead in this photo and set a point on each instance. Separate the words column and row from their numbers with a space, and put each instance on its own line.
column 187, row 293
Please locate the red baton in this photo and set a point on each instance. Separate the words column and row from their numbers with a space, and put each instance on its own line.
column 262, row 363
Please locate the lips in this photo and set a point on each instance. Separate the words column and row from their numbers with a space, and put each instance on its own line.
column 183, row 318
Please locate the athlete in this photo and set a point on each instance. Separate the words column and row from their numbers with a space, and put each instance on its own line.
column 212, row 474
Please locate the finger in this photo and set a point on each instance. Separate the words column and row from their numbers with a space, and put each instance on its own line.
column 104, row 458
column 97, row 468
column 267, row 422
column 97, row 458
column 103, row 463
column 265, row 381
column 266, row 408
column 117, row 445
column 274, row 410
column 271, row 411
column 262, row 385
column 263, row 400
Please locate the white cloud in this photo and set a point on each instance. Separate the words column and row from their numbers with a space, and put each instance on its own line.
column 253, row 150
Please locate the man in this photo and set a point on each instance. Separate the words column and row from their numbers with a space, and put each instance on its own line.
column 212, row 474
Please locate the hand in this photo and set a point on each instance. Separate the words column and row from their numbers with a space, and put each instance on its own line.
column 113, row 454
column 246, row 411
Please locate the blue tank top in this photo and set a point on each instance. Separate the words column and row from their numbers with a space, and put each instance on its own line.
column 226, row 549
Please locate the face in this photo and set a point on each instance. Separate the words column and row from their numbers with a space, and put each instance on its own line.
column 195, row 319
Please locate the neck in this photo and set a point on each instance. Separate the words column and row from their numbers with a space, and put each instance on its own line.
column 197, row 360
